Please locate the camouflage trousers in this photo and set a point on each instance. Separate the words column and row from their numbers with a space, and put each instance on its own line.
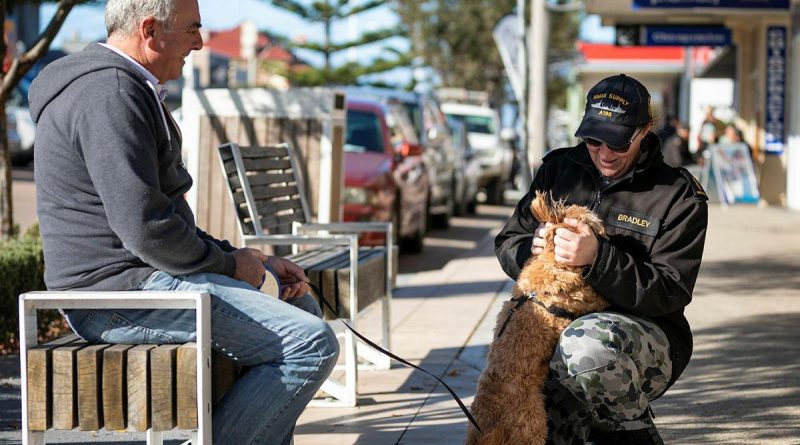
column 605, row 370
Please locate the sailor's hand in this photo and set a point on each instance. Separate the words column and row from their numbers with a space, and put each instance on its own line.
column 537, row 246
column 576, row 245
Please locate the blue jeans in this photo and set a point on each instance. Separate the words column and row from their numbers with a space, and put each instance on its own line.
column 287, row 349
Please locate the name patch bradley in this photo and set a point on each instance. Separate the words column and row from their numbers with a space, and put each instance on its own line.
column 632, row 220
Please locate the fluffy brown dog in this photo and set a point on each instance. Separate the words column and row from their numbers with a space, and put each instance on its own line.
column 509, row 406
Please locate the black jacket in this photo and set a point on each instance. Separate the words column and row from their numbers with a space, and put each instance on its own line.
column 656, row 218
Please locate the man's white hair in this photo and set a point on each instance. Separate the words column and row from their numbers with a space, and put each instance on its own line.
column 124, row 16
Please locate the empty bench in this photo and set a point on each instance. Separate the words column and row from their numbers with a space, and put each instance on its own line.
column 267, row 191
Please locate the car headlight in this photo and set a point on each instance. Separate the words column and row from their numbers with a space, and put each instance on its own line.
column 354, row 195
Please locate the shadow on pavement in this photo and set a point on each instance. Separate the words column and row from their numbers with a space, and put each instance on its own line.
column 774, row 272
column 458, row 240
column 447, row 290
column 385, row 425
column 745, row 380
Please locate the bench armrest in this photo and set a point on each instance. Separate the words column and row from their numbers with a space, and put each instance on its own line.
column 342, row 227
column 111, row 300
column 288, row 240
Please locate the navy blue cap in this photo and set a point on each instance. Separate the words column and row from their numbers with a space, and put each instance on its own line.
column 615, row 108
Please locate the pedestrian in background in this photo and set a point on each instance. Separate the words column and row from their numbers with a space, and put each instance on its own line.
column 676, row 148
column 609, row 366
column 110, row 192
column 708, row 134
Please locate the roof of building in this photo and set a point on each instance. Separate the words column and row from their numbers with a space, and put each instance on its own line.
column 229, row 43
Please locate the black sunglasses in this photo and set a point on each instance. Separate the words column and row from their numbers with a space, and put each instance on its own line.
column 592, row 142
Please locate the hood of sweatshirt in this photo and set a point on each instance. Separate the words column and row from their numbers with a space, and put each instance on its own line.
column 51, row 82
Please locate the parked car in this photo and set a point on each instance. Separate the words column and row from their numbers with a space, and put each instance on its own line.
column 468, row 170
column 494, row 153
column 433, row 134
column 385, row 175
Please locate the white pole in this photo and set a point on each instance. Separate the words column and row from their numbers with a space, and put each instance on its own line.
column 537, row 92
column 793, row 118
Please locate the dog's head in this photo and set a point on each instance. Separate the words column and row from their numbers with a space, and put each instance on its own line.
column 547, row 210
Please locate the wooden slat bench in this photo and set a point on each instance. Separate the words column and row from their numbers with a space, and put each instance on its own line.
column 74, row 384
column 70, row 384
column 268, row 195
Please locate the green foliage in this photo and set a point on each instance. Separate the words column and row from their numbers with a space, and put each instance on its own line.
column 454, row 37
column 326, row 12
column 22, row 270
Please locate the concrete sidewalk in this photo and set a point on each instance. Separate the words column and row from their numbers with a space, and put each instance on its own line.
column 742, row 386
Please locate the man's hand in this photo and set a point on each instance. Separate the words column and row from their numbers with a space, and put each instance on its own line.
column 577, row 246
column 294, row 282
column 537, row 246
column 250, row 266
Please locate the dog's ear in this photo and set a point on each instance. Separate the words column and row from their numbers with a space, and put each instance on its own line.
column 545, row 209
column 587, row 217
column 594, row 223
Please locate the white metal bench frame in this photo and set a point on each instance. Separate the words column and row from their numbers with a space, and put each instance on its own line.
column 328, row 234
column 30, row 302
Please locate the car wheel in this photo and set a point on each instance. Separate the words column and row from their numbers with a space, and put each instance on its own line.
column 396, row 222
column 442, row 220
column 461, row 207
column 472, row 206
column 494, row 192
column 415, row 243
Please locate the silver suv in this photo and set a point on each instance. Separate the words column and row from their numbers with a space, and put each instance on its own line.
column 493, row 153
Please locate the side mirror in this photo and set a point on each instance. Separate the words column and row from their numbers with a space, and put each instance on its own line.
column 508, row 134
column 409, row 149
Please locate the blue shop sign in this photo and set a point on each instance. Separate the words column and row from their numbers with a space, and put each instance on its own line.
column 687, row 36
column 775, row 106
column 675, row 35
column 741, row 4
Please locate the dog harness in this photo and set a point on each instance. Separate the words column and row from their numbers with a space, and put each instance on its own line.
column 531, row 296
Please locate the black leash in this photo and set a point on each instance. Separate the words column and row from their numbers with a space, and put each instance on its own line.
column 399, row 359
column 531, row 296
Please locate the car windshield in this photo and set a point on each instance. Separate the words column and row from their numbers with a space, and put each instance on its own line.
column 363, row 133
column 476, row 124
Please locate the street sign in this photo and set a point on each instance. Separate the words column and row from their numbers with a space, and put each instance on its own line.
column 775, row 89
column 730, row 4
column 674, row 35
column 508, row 38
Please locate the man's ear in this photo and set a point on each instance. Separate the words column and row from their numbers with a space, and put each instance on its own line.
column 147, row 28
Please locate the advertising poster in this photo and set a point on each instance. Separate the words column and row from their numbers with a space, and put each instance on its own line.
column 734, row 174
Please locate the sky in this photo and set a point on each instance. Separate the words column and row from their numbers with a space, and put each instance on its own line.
column 87, row 22
column 217, row 15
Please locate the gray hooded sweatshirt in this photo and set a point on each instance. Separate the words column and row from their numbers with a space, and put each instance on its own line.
column 110, row 183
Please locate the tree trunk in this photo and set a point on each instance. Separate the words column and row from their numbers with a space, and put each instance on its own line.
column 6, row 208
column 8, row 81
column 6, row 204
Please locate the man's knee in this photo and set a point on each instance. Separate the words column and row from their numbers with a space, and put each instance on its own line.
column 325, row 343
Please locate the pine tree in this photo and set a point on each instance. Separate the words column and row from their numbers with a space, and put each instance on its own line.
column 454, row 37
column 327, row 12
